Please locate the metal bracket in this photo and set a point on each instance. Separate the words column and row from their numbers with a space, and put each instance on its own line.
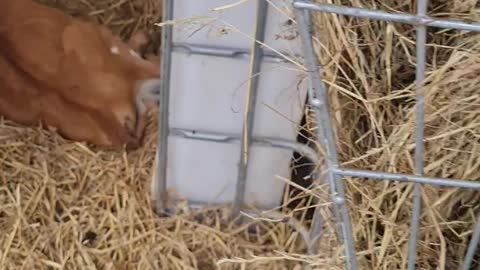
column 227, row 52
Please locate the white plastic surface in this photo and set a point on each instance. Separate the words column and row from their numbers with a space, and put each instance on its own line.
column 198, row 23
column 208, row 94
column 212, row 96
column 209, row 172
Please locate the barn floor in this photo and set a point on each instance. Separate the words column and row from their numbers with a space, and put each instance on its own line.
column 64, row 205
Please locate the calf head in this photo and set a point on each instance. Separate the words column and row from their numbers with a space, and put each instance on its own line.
column 128, row 83
column 145, row 74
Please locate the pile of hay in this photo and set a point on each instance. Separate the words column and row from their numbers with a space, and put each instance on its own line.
column 369, row 66
column 64, row 205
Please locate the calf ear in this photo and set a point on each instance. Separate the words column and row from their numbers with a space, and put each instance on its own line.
column 129, row 55
column 137, row 41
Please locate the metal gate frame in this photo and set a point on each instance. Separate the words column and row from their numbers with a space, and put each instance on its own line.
column 318, row 100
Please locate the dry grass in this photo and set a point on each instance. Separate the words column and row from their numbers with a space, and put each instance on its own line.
column 67, row 206
column 64, row 206
column 370, row 68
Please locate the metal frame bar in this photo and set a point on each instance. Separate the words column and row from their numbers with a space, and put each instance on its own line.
column 251, row 100
column 164, row 102
column 408, row 178
column 421, row 33
column 388, row 16
column 237, row 53
column 421, row 21
column 472, row 247
column 307, row 151
column 319, row 100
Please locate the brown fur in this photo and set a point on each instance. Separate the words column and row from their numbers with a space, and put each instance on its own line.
column 61, row 71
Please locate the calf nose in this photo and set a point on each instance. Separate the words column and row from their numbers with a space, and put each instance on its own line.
column 147, row 95
column 132, row 144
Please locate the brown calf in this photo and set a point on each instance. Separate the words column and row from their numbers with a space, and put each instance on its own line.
column 71, row 74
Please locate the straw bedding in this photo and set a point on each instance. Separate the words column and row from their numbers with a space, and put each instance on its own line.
column 65, row 205
column 370, row 68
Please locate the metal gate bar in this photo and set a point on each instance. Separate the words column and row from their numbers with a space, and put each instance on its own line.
column 421, row 47
column 307, row 151
column 234, row 53
column 252, row 89
column 400, row 177
column 472, row 247
column 421, row 21
column 164, row 103
column 388, row 16
column 319, row 101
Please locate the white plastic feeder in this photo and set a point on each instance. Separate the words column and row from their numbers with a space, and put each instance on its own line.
column 208, row 94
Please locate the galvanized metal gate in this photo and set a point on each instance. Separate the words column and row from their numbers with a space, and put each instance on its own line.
column 318, row 100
